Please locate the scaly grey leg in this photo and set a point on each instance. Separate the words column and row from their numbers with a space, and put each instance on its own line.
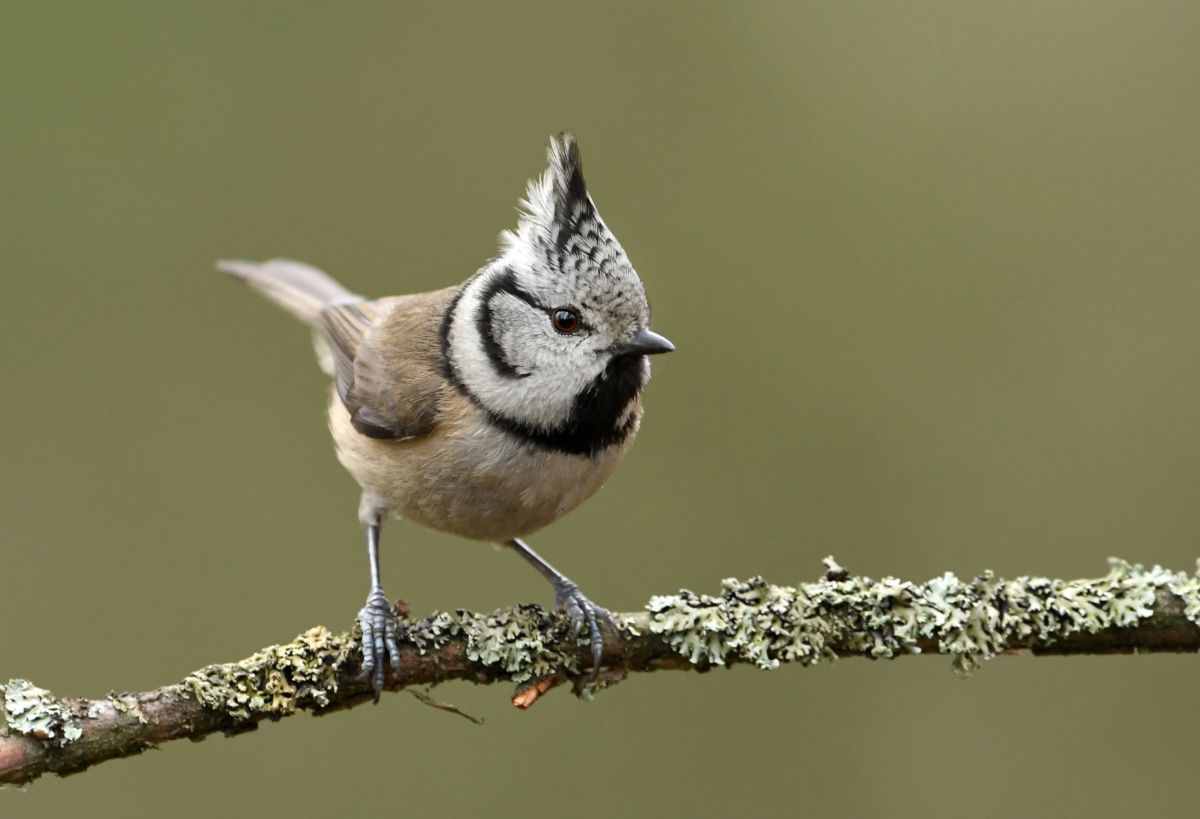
column 377, row 623
column 569, row 599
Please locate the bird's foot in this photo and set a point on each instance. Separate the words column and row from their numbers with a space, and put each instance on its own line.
column 572, row 602
column 380, row 645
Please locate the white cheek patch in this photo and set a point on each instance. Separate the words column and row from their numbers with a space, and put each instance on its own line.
column 543, row 390
column 524, row 335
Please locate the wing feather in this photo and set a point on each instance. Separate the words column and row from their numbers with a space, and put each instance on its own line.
column 388, row 361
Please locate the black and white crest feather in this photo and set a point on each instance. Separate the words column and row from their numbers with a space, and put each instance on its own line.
column 569, row 191
column 556, row 203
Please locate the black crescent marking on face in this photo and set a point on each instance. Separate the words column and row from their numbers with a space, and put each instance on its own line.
column 484, row 323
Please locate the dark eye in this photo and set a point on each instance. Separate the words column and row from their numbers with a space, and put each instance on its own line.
column 565, row 321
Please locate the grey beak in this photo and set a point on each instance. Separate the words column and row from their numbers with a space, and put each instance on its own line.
column 645, row 342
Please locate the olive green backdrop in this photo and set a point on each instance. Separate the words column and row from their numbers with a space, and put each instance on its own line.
column 932, row 274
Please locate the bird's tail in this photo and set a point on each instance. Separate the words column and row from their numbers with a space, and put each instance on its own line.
column 302, row 290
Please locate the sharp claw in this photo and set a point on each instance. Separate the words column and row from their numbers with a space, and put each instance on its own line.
column 597, row 644
column 580, row 609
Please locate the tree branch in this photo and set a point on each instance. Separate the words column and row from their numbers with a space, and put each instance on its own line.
column 1131, row 609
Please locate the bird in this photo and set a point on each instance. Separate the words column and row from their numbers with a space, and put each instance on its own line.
column 490, row 408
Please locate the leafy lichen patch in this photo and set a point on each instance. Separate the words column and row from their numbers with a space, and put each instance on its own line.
column 524, row 642
column 276, row 680
column 756, row 622
column 1187, row 588
column 35, row 712
column 750, row 621
column 520, row 643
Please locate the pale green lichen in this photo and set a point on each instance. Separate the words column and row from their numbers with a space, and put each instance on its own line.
column 522, row 642
column 750, row 621
column 753, row 621
column 276, row 680
column 36, row 712
column 1187, row 587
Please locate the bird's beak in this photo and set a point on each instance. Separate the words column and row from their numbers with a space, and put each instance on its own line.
column 645, row 342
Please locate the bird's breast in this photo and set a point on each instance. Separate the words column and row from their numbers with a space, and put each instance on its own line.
column 469, row 477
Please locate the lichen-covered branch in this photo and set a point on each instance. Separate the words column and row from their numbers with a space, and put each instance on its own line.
column 752, row 622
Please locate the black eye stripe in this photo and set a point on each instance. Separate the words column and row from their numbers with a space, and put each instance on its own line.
column 506, row 282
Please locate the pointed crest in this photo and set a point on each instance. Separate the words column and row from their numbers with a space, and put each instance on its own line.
column 565, row 172
column 555, row 201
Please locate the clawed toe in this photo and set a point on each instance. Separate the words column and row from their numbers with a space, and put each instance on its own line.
column 572, row 602
column 380, row 640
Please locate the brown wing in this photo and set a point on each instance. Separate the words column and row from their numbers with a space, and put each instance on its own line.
column 387, row 360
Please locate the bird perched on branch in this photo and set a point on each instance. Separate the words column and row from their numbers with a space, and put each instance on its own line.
column 491, row 408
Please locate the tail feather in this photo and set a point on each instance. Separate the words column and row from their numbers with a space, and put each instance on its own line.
column 302, row 290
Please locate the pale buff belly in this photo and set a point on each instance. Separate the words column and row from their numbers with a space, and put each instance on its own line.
column 469, row 478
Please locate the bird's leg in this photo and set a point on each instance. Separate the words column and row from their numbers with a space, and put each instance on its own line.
column 569, row 599
column 377, row 622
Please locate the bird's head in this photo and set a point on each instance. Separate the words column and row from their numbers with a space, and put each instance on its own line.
column 551, row 337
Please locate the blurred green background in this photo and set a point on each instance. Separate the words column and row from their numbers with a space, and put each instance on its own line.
column 932, row 273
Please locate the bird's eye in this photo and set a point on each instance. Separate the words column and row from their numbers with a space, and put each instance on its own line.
column 565, row 321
